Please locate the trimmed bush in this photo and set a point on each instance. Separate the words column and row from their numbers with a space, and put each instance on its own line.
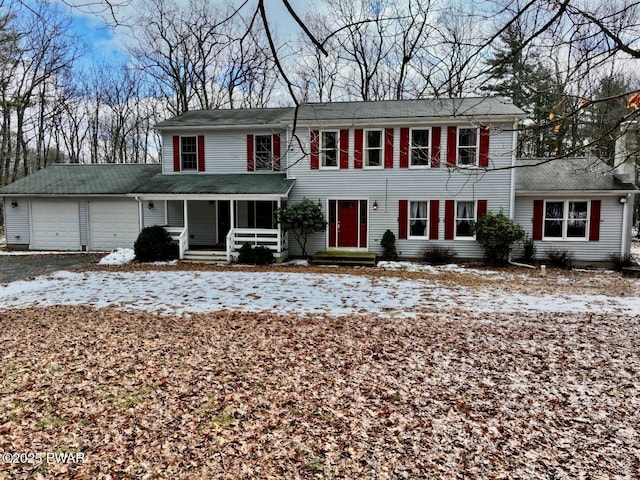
column 255, row 256
column 529, row 248
column 560, row 259
column 621, row 261
column 436, row 255
column 497, row 233
column 154, row 244
column 388, row 243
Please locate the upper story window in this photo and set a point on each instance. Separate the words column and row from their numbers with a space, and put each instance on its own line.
column 465, row 218
column 373, row 148
column 189, row 153
column 566, row 219
column 263, row 152
column 329, row 149
column 420, row 147
column 467, row 146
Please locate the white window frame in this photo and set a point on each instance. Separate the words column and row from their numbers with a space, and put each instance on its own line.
column 411, row 218
column 456, row 219
column 323, row 150
column 256, row 165
column 194, row 153
column 565, row 220
column 412, row 148
column 460, row 147
column 367, row 149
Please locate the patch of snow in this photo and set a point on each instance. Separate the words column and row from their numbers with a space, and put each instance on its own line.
column 120, row 256
column 297, row 262
column 434, row 269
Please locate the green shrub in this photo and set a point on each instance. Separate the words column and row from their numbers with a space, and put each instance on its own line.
column 497, row 233
column 388, row 243
column 154, row 244
column 302, row 219
column 529, row 249
column 436, row 255
column 249, row 255
column 621, row 261
column 560, row 259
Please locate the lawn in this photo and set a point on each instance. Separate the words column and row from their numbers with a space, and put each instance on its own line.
column 446, row 391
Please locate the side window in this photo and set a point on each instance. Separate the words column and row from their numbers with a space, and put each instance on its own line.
column 465, row 217
column 189, row 153
column 373, row 148
column 467, row 146
column 418, row 219
column 329, row 149
column 263, row 152
column 420, row 148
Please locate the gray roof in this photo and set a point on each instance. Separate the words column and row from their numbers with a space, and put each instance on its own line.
column 79, row 179
column 222, row 184
column 481, row 107
column 566, row 175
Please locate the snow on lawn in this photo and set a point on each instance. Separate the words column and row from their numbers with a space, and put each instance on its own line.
column 120, row 256
column 178, row 292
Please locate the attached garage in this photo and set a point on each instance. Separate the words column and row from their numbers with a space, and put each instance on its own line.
column 113, row 224
column 55, row 225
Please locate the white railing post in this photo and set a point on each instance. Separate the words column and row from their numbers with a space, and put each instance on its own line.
column 230, row 242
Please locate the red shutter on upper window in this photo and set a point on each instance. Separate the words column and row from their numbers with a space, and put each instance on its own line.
column 250, row 159
column 483, row 160
column 403, row 218
column 482, row 208
column 344, row 149
column 594, row 221
column 176, row 153
column 201, row 153
column 449, row 219
column 435, row 147
column 388, row 148
column 276, row 152
column 315, row 149
column 404, row 148
column 538, row 221
column 452, row 145
column 357, row 147
column 434, row 219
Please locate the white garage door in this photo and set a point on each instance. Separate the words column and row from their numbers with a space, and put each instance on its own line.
column 113, row 224
column 55, row 225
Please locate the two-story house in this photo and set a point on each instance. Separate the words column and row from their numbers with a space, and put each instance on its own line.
column 425, row 169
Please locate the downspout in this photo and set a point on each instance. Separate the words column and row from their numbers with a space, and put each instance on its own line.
column 624, row 247
column 140, row 213
column 512, row 192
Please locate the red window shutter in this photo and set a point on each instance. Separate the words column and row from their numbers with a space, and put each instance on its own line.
column 449, row 219
column 176, row 153
column 276, row 152
column 201, row 153
column 452, row 145
column 404, row 148
column 435, row 147
column 403, row 218
column 538, row 221
column 250, row 159
column 315, row 149
column 434, row 219
column 357, row 147
column 344, row 149
column 483, row 160
column 594, row 221
column 388, row 148
column 482, row 208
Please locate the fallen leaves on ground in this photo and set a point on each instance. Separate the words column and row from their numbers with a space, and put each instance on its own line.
column 233, row 395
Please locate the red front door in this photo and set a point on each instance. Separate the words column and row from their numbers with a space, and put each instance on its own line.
column 348, row 223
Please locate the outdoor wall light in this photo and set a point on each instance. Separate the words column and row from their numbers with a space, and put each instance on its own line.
column 623, row 200
column 375, row 204
column 14, row 204
column 150, row 205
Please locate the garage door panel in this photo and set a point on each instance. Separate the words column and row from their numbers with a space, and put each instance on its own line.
column 113, row 224
column 55, row 225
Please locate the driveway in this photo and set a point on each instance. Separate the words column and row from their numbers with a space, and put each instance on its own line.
column 23, row 267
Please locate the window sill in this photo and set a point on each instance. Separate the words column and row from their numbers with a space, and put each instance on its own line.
column 565, row 239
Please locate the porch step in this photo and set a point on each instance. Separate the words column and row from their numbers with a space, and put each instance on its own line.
column 342, row 257
column 205, row 256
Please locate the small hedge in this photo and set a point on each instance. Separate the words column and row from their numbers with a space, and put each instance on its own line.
column 437, row 255
column 388, row 244
column 249, row 255
column 154, row 244
column 560, row 259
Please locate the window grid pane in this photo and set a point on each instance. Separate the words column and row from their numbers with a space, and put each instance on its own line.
column 465, row 217
column 329, row 149
column 418, row 219
column 420, row 147
column 263, row 152
column 373, row 148
column 554, row 219
column 189, row 156
column 467, row 146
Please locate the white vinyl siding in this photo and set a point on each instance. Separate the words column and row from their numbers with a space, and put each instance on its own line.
column 16, row 220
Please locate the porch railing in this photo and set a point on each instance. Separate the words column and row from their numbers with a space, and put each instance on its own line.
column 179, row 235
column 273, row 239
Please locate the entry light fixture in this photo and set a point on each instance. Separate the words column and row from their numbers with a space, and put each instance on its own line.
column 14, row 204
column 623, row 200
column 150, row 205
column 375, row 204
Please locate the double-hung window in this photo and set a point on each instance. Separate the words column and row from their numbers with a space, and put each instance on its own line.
column 263, row 153
column 373, row 154
column 189, row 153
column 420, row 147
column 468, row 146
column 329, row 149
column 566, row 219
column 418, row 219
column 465, row 218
